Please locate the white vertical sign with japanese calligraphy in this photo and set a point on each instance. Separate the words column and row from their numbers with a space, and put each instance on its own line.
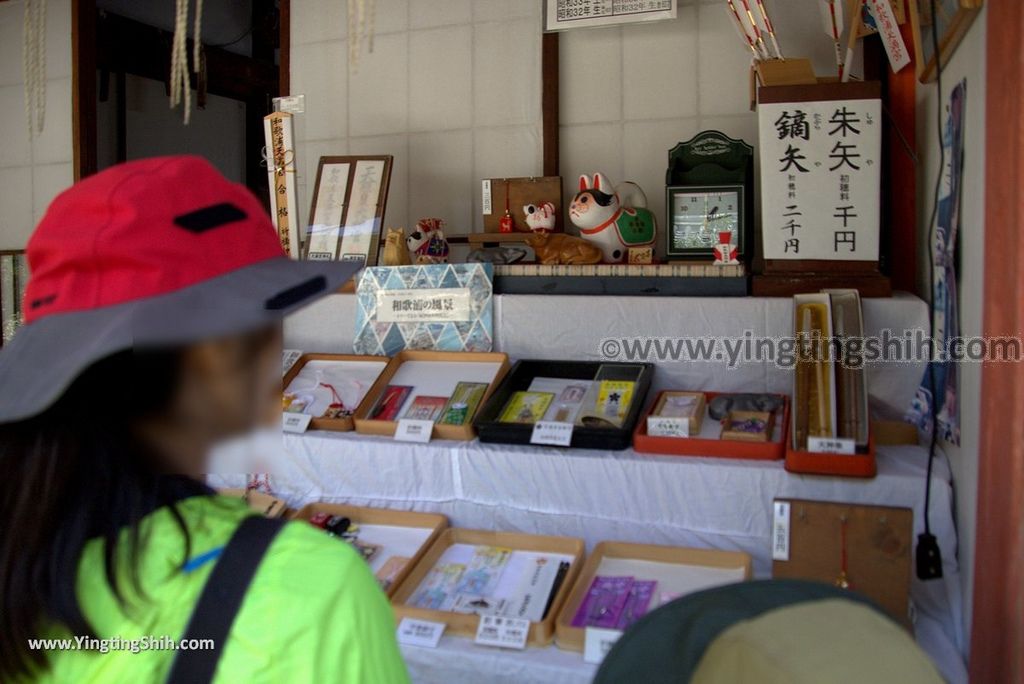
column 820, row 179
column 328, row 210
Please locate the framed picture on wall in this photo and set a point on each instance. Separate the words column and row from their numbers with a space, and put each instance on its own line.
column 952, row 20
column 349, row 199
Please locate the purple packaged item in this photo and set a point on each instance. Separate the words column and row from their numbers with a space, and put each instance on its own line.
column 637, row 603
column 604, row 602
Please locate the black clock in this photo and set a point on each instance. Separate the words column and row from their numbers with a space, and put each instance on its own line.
column 709, row 192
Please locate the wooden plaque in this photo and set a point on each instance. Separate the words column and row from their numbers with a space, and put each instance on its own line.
column 879, row 547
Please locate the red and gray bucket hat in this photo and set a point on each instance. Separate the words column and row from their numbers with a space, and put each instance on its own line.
column 152, row 253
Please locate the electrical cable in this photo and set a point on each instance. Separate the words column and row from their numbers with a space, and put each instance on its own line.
column 929, row 563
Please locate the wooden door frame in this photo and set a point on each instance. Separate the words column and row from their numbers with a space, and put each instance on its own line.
column 998, row 616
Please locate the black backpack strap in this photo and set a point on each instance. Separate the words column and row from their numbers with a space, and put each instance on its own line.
column 222, row 597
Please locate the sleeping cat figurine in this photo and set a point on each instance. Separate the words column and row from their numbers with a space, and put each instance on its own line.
column 614, row 219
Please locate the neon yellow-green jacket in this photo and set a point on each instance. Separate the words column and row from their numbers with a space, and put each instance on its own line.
column 313, row 612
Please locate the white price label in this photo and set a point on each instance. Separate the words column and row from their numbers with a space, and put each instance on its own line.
column 597, row 642
column 831, row 445
column 487, row 198
column 661, row 426
column 410, row 430
column 423, row 633
column 780, row 532
column 502, row 632
column 293, row 104
column 295, row 422
column 551, row 432
column 288, row 359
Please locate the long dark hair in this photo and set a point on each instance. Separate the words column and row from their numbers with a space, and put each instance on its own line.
column 71, row 474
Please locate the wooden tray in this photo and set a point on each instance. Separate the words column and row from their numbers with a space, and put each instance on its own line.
column 572, row 638
column 365, row 425
column 541, row 633
column 382, row 516
column 345, row 424
column 714, row 448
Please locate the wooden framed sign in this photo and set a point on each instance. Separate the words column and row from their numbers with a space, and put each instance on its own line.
column 349, row 199
column 821, row 149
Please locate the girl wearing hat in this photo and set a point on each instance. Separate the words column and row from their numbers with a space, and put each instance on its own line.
column 152, row 333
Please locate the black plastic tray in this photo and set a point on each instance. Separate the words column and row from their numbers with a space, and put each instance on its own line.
column 519, row 379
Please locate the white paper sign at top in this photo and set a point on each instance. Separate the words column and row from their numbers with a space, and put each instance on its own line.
column 420, row 632
column 820, row 179
column 503, row 632
column 295, row 422
column 293, row 104
column 831, row 445
column 780, row 531
column 597, row 642
column 412, row 430
column 551, row 432
column 424, row 306
column 568, row 14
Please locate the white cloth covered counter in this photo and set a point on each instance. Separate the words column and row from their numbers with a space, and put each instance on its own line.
column 624, row 496
column 621, row 496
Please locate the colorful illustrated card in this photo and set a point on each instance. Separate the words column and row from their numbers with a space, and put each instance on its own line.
column 426, row 408
column 526, row 408
column 390, row 403
column 464, row 402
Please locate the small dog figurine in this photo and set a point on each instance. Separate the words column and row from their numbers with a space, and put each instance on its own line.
column 612, row 222
column 395, row 252
column 427, row 244
column 559, row 248
column 540, row 218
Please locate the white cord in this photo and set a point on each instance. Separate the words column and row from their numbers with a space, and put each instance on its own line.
column 34, row 65
column 181, row 86
column 362, row 19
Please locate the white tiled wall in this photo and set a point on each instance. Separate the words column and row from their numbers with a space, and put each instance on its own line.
column 451, row 89
column 630, row 93
column 33, row 171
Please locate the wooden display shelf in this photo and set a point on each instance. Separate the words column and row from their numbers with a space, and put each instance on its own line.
column 382, row 516
column 462, row 624
column 365, row 425
column 346, row 423
column 496, row 238
column 787, row 285
column 572, row 638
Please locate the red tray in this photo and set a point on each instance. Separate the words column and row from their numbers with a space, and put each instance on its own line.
column 713, row 448
column 845, row 465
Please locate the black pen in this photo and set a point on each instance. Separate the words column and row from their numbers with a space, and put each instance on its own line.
column 563, row 570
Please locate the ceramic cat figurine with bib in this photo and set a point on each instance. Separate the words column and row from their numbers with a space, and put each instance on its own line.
column 614, row 219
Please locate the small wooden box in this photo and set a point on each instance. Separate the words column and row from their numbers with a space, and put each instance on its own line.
column 267, row 505
column 359, row 515
column 730, row 433
column 541, row 633
column 365, row 425
column 345, row 423
column 572, row 638
column 695, row 421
